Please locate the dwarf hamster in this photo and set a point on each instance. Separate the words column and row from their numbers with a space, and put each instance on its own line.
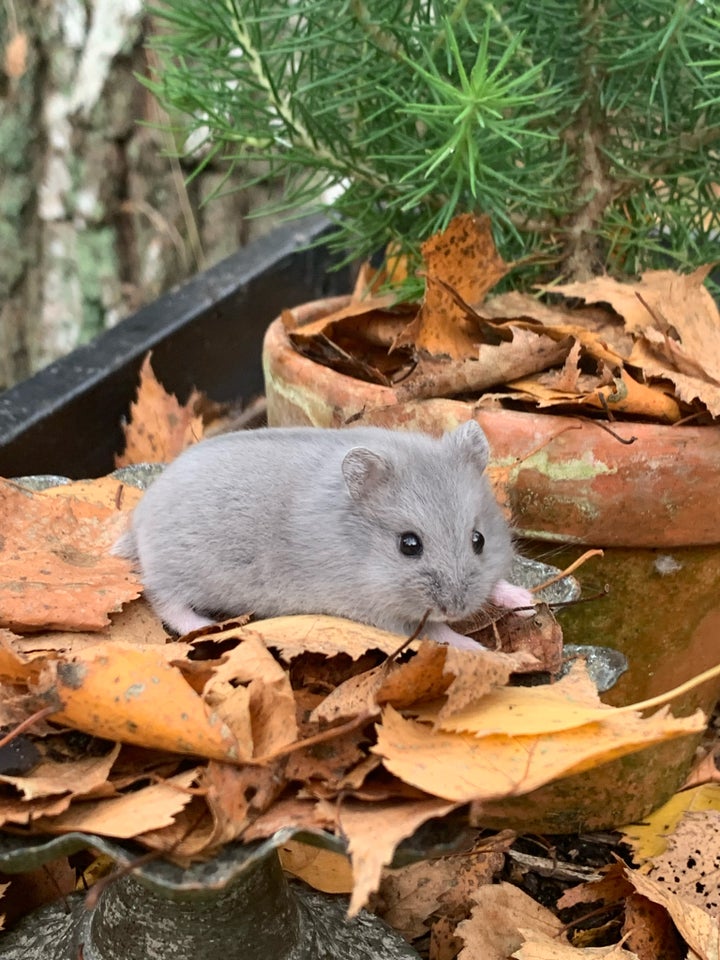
column 371, row 524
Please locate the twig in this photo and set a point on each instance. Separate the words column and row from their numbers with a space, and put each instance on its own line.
column 669, row 695
column 568, row 570
column 26, row 723
column 413, row 636
column 321, row 737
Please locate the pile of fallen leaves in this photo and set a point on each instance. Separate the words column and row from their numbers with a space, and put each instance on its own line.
column 648, row 348
column 312, row 722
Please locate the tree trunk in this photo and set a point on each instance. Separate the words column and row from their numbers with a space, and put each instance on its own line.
column 95, row 217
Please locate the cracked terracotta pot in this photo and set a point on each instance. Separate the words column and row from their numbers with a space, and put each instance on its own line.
column 568, row 484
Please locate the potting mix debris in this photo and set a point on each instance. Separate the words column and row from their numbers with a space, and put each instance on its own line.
column 235, row 731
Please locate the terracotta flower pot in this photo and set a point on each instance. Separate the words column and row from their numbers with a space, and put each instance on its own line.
column 651, row 504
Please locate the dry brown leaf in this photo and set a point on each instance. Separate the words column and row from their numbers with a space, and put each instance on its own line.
column 707, row 770
column 647, row 929
column 688, row 388
column 56, row 571
column 695, row 925
column 302, row 813
column 234, row 794
column 185, row 839
column 465, row 259
column 371, row 316
column 465, row 767
column 535, row 642
column 373, row 833
column 475, row 674
column 493, row 930
column 340, row 761
column 600, row 332
column 435, row 669
column 444, row 945
column 160, row 427
column 624, row 395
column 697, row 928
column 423, row 677
column 354, row 697
column 357, row 339
column 612, row 887
column 136, row 623
column 679, row 320
column 20, row 812
column 411, row 895
column 125, row 817
column 489, row 365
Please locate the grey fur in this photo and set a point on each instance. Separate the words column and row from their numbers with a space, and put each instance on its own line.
column 304, row 520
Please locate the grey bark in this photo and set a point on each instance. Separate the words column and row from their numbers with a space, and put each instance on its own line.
column 95, row 217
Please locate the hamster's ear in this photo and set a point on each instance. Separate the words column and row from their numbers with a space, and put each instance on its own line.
column 470, row 442
column 364, row 471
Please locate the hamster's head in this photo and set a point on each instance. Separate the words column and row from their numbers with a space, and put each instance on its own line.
column 428, row 533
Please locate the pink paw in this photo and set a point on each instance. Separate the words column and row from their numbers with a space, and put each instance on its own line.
column 506, row 594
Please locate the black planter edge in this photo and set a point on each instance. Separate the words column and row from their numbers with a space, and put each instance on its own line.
column 206, row 333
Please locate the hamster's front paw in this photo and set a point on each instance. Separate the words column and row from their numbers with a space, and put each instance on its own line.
column 442, row 633
column 506, row 594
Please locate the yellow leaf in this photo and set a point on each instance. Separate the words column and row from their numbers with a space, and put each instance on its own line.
column 649, row 838
column 519, row 711
column 133, row 694
column 463, row 767
column 323, row 869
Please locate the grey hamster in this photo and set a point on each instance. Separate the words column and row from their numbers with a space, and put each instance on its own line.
column 375, row 525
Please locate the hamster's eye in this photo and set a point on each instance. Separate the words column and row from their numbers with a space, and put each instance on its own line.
column 478, row 542
column 410, row 544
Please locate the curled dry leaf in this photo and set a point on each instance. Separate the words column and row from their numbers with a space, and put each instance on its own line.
column 623, row 395
column 69, row 778
column 235, row 794
column 676, row 324
column 536, row 641
column 303, row 813
column 356, row 339
column 133, row 694
column 250, row 691
column 436, row 670
column 489, row 365
column 464, row 258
